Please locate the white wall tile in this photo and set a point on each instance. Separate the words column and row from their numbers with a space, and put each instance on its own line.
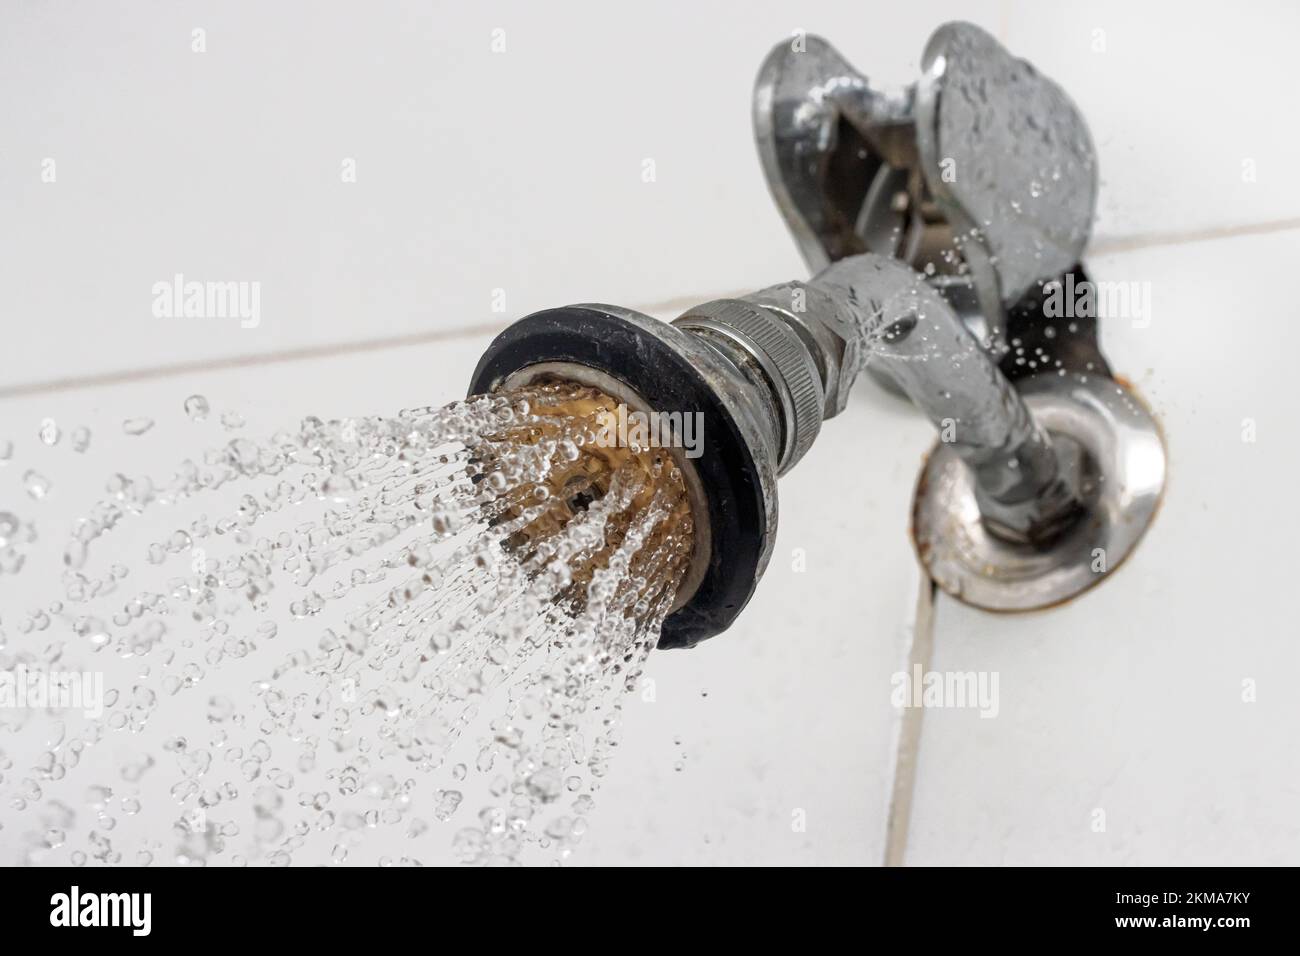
column 1129, row 699
column 1183, row 100
column 519, row 171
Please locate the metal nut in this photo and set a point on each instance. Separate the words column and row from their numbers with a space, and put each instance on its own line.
column 786, row 362
column 830, row 336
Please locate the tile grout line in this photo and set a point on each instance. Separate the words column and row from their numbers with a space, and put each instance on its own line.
column 907, row 746
column 1152, row 240
column 243, row 361
column 332, row 350
column 1103, row 247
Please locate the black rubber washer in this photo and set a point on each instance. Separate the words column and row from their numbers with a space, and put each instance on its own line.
column 647, row 362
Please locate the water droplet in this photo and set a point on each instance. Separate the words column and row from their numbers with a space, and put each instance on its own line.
column 8, row 528
column 448, row 802
column 439, row 530
column 197, row 408
column 37, row 485
column 49, row 432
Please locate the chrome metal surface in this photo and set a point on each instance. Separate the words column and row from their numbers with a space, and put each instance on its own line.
column 1027, row 488
column 983, row 170
column 817, row 167
column 1122, row 457
column 1023, row 183
column 815, row 318
column 983, row 177
column 806, row 343
column 787, row 364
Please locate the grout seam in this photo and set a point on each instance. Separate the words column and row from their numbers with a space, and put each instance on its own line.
column 907, row 741
column 1102, row 247
column 331, row 350
column 1152, row 240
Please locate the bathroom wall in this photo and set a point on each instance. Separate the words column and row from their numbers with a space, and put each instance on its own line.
column 385, row 173
column 400, row 179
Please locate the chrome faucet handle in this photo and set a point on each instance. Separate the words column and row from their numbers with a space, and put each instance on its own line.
column 982, row 174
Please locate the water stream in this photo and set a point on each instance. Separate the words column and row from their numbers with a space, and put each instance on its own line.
column 385, row 640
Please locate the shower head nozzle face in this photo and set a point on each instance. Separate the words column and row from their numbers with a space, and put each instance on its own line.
column 651, row 366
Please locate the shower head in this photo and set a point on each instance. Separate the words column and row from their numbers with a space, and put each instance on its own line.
column 654, row 367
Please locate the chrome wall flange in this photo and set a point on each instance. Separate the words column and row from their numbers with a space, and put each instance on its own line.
column 1122, row 479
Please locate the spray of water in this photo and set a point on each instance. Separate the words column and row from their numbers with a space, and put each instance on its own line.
column 386, row 618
